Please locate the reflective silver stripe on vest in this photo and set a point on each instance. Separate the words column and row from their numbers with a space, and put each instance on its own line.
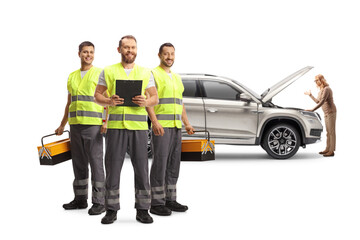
column 128, row 117
column 168, row 117
column 115, row 117
column 86, row 114
column 82, row 98
column 170, row 101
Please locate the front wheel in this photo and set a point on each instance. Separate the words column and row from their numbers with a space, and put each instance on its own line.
column 281, row 141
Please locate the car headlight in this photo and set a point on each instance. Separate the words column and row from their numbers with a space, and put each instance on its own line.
column 311, row 114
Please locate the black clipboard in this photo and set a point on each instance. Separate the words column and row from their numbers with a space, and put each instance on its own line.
column 127, row 89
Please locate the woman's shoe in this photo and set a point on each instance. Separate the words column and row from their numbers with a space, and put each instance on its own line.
column 329, row 154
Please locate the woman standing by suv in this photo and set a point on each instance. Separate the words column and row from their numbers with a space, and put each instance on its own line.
column 326, row 101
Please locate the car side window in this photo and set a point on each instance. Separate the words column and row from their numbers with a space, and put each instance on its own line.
column 190, row 88
column 220, row 90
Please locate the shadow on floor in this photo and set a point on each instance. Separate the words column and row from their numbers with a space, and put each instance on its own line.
column 238, row 156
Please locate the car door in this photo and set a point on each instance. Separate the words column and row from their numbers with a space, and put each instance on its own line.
column 229, row 119
column 194, row 104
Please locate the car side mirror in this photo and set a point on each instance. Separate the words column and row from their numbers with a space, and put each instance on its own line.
column 243, row 97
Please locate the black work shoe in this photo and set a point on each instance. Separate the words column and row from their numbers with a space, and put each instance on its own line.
column 143, row 216
column 76, row 204
column 110, row 217
column 160, row 210
column 96, row 209
column 175, row 206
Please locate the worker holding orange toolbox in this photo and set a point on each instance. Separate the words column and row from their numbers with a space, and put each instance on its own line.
column 166, row 120
column 85, row 118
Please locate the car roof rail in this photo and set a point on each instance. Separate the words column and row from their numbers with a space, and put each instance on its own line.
column 199, row 74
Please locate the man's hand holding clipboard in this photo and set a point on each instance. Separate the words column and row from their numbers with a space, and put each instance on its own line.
column 116, row 100
column 139, row 100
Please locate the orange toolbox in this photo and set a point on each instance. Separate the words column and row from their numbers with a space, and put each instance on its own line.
column 55, row 152
column 198, row 149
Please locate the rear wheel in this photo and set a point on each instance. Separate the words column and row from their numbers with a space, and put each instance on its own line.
column 281, row 141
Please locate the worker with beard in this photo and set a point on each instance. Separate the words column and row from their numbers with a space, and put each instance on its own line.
column 127, row 130
column 166, row 120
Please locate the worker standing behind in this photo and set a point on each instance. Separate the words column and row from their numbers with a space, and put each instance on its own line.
column 127, row 129
column 85, row 120
column 166, row 139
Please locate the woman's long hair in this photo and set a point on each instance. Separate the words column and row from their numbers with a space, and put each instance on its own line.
column 322, row 80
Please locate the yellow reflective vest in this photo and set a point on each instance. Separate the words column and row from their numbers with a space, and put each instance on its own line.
column 83, row 110
column 170, row 91
column 123, row 117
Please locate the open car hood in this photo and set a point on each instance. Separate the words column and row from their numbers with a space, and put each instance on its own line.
column 269, row 93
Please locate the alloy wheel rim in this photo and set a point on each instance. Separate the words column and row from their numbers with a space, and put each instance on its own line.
column 282, row 141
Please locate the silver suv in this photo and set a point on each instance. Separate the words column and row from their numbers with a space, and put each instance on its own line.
column 234, row 114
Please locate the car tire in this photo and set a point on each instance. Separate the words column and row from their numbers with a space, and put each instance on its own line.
column 149, row 147
column 281, row 141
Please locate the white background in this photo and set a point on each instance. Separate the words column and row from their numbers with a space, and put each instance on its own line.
column 243, row 194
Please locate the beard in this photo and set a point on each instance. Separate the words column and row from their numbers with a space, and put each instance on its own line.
column 166, row 64
column 127, row 59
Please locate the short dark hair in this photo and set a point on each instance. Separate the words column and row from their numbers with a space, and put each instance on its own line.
column 165, row 45
column 86, row 43
column 127, row 36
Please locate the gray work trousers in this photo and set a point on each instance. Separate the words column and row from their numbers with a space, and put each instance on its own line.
column 87, row 147
column 165, row 166
column 117, row 142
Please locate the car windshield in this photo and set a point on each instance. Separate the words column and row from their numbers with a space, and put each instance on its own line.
column 245, row 88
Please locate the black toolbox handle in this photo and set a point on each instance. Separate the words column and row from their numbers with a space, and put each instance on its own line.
column 42, row 143
column 205, row 131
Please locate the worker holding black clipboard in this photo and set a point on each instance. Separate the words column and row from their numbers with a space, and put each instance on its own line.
column 127, row 127
column 128, row 89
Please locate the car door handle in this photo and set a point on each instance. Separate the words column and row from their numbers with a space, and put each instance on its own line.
column 212, row 110
column 255, row 111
